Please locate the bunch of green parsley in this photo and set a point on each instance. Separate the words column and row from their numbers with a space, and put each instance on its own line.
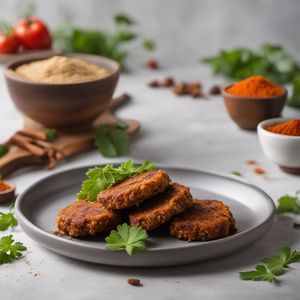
column 9, row 249
column 110, row 44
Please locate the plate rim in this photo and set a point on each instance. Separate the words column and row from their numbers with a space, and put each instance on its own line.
column 23, row 219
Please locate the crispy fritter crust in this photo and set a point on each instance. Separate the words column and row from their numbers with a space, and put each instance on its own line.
column 86, row 218
column 206, row 220
column 134, row 190
column 161, row 208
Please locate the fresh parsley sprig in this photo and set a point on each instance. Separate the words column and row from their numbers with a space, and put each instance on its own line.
column 102, row 178
column 10, row 250
column 127, row 237
column 8, row 220
column 275, row 266
column 289, row 204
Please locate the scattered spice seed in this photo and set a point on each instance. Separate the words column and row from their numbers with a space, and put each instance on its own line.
column 296, row 225
column 152, row 64
column 250, row 162
column 168, row 82
column 180, row 89
column 215, row 90
column 134, row 282
column 259, row 171
column 154, row 84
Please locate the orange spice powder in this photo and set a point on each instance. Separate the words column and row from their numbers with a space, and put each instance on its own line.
column 255, row 86
column 291, row 127
column 4, row 186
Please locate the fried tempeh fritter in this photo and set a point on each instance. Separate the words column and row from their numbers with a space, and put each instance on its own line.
column 161, row 208
column 206, row 220
column 86, row 218
column 134, row 190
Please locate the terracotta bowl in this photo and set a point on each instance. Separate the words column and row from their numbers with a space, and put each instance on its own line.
column 248, row 112
column 63, row 106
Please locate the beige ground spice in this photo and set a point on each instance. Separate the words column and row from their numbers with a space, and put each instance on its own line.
column 60, row 69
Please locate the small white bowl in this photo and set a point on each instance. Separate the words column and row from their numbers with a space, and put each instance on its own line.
column 284, row 150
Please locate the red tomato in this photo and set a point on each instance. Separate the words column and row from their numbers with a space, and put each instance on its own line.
column 9, row 43
column 33, row 33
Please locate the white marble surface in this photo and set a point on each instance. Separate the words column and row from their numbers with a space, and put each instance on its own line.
column 178, row 132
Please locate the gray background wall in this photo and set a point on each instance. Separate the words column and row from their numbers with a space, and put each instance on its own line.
column 185, row 30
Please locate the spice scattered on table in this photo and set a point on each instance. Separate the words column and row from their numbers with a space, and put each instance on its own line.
column 291, row 127
column 255, row 87
column 152, row 64
column 134, row 282
column 215, row 90
column 256, row 168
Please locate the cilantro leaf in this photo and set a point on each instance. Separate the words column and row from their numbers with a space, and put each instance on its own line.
column 236, row 173
column 261, row 273
column 51, row 135
column 102, row 178
column 127, row 237
column 288, row 204
column 122, row 19
column 3, row 150
column 149, row 45
column 9, row 249
column 7, row 220
column 275, row 266
column 111, row 143
column 294, row 100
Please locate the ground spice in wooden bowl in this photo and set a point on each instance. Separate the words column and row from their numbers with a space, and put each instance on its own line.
column 255, row 87
column 61, row 70
column 291, row 127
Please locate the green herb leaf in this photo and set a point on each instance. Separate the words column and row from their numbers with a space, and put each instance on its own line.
column 100, row 179
column 275, row 266
column 112, row 143
column 51, row 135
column 121, row 124
column 7, row 220
column 9, row 249
column 288, row 204
column 124, row 36
column 294, row 100
column 271, row 61
column 122, row 19
column 149, row 45
column 127, row 237
column 235, row 173
column 3, row 150
column 261, row 273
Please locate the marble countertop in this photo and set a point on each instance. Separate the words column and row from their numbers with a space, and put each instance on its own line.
column 177, row 132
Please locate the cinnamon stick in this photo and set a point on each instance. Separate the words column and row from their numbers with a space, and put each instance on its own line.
column 119, row 101
column 40, row 135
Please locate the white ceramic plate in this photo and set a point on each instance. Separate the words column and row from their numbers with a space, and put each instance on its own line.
column 254, row 211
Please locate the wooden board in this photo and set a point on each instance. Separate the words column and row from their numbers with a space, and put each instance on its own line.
column 68, row 144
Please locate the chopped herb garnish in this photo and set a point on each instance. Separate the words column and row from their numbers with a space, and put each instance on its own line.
column 8, row 219
column 127, row 237
column 289, row 204
column 111, row 143
column 51, row 135
column 149, row 45
column 102, row 178
column 10, row 250
column 275, row 266
column 122, row 19
column 3, row 150
column 236, row 173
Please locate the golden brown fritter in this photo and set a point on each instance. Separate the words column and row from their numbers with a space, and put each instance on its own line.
column 134, row 190
column 161, row 208
column 86, row 218
column 206, row 220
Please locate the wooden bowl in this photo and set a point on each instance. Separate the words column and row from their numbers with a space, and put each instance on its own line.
column 8, row 194
column 248, row 112
column 66, row 107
